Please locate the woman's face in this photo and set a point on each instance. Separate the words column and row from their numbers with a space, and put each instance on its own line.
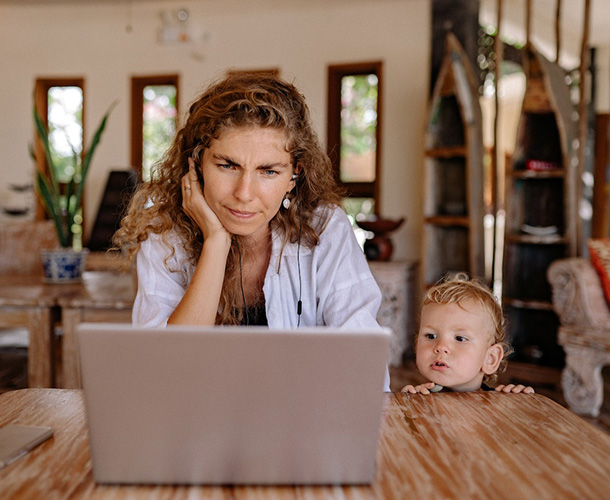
column 246, row 174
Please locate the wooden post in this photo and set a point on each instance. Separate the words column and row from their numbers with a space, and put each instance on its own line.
column 495, row 176
column 528, row 16
column 582, row 126
column 557, row 31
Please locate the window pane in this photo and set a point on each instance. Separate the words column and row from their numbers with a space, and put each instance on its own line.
column 159, row 124
column 359, row 95
column 65, row 121
column 65, row 116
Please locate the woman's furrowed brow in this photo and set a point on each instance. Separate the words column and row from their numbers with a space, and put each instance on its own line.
column 225, row 159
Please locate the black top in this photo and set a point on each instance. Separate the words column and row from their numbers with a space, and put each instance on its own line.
column 484, row 387
column 255, row 316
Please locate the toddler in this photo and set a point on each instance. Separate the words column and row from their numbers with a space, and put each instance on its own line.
column 461, row 344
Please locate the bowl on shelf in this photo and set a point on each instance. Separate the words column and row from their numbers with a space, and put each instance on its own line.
column 379, row 225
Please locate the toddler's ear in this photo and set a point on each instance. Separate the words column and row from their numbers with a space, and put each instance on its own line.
column 493, row 357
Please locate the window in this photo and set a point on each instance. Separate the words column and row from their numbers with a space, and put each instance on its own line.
column 354, row 133
column 154, row 114
column 60, row 104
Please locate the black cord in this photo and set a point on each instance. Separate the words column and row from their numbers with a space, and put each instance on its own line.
column 241, row 284
column 299, row 303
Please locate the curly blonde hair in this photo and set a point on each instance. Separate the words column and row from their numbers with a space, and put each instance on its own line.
column 240, row 100
column 459, row 288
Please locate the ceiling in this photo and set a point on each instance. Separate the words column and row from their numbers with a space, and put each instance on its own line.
column 572, row 12
column 543, row 16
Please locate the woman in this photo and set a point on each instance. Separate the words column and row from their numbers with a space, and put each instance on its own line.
column 242, row 223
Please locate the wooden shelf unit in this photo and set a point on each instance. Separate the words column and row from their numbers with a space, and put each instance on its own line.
column 453, row 209
column 540, row 210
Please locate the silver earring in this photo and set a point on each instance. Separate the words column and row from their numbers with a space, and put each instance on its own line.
column 286, row 202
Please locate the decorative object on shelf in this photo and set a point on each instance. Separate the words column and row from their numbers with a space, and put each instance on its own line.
column 380, row 246
column 18, row 202
column 541, row 210
column 454, row 206
column 599, row 250
column 63, row 203
column 64, row 265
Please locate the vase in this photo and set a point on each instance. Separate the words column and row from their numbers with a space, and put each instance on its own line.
column 64, row 265
column 379, row 247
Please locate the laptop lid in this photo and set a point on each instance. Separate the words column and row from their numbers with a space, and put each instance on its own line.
column 233, row 405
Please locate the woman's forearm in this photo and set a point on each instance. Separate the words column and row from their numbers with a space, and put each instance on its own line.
column 199, row 305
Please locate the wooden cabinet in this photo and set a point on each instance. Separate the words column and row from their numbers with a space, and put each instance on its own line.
column 453, row 209
column 541, row 209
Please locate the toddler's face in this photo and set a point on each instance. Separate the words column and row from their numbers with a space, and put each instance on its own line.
column 453, row 345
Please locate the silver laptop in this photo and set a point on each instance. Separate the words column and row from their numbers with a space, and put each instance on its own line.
column 231, row 405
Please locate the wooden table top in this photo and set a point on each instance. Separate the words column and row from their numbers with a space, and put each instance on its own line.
column 445, row 446
column 100, row 289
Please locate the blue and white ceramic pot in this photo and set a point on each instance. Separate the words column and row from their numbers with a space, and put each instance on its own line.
column 64, row 265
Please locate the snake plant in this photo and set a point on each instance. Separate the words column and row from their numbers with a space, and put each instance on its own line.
column 62, row 200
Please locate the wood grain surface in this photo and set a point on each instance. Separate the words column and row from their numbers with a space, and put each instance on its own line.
column 444, row 446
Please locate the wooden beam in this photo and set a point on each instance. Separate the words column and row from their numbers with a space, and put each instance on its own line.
column 557, row 30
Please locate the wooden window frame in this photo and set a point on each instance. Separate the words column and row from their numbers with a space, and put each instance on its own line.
column 268, row 72
column 333, row 134
column 41, row 101
column 138, row 83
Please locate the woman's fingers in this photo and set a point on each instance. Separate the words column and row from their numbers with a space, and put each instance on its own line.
column 196, row 207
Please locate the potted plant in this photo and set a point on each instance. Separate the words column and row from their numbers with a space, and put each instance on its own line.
column 62, row 201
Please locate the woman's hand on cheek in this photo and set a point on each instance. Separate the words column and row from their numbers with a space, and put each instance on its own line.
column 197, row 208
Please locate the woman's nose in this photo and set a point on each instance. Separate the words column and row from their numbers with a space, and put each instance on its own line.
column 244, row 187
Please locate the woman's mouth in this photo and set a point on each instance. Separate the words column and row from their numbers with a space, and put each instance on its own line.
column 240, row 214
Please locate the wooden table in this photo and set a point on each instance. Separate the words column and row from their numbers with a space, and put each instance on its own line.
column 28, row 300
column 446, row 446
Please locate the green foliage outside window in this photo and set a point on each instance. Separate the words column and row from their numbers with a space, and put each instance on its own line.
column 159, row 125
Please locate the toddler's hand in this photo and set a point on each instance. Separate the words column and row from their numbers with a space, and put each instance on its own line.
column 419, row 389
column 515, row 388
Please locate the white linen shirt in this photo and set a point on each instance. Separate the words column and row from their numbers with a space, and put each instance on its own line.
column 337, row 287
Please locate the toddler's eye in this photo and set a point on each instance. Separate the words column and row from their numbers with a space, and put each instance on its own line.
column 460, row 338
column 430, row 336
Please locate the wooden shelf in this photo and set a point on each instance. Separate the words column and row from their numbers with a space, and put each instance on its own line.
column 531, row 239
column 447, row 152
column 538, row 174
column 453, row 193
column 538, row 199
column 539, row 305
column 448, row 220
